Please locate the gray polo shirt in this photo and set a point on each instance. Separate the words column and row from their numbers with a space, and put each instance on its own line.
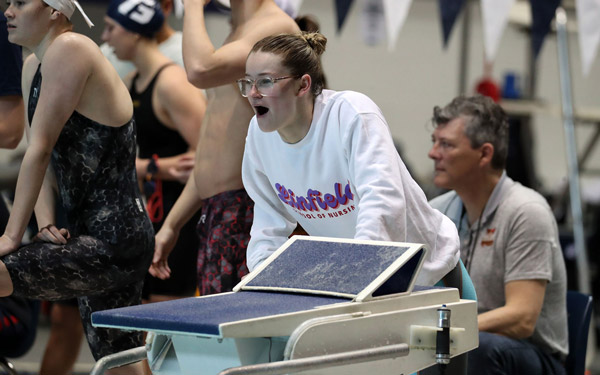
column 516, row 238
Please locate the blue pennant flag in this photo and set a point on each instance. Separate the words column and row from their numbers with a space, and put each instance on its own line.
column 542, row 13
column 449, row 10
column 342, row 8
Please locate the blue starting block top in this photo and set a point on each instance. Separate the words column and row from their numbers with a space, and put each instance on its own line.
column 338, row 267
column 204, row 315
column 304, row 274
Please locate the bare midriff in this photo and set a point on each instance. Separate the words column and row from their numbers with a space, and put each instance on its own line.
column 221, row 145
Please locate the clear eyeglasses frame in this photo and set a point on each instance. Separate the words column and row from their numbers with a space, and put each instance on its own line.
column 264, row 85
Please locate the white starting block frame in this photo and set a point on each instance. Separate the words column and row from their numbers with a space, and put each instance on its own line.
column 291, row 316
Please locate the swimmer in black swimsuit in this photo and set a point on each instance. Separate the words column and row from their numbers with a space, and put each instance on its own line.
column 168, row 111
column 82, row 129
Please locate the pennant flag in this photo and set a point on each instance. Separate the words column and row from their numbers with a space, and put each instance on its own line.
column 588, row 14
column 342, row 8
column 449, row 10
column 494, row 16
column 372, row 22
column 291, row 7
column 542, row 13
column 395, row 14
column 178, row 8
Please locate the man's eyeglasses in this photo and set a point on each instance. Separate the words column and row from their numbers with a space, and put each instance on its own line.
column 264, row 85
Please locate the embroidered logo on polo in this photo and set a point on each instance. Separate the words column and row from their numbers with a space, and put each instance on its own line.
column 488, row 237
column 319, row 205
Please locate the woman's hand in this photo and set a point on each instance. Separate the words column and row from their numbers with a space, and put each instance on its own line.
column 8, row 245
column 164, row 241
column 50, row 233
column 184, row 167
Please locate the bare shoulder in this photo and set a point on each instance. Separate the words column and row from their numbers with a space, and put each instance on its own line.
column 172, row 77
column 71, row 48
column 270, row 21
column 76, row 41
column 173, row 88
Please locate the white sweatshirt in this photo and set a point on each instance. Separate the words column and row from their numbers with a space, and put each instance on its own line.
column 345, row 179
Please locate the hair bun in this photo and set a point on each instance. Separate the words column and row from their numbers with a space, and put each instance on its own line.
column 316, row 41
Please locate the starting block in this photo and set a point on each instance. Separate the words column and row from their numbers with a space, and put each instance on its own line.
column 316, row 306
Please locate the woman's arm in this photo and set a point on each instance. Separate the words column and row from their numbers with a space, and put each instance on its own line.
column 375, row 172
column 272, row 224
column 184, row 208
column 65, row 72
column 180, row 103
column 392, row 206
column 180, row 106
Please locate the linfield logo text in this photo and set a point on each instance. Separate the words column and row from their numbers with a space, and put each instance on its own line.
column 315, row 200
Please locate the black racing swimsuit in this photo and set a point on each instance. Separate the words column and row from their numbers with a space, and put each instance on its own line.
column 112, row 241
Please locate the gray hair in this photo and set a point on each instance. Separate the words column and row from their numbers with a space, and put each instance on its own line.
column 485, row 122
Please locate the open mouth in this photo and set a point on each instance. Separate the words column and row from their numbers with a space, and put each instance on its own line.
column 260, row 110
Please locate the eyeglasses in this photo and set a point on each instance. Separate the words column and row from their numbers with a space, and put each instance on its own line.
column 264, row 85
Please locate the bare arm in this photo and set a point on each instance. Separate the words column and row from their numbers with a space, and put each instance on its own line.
column 186, row 205
column 518, row 317
column 182, row 103
column 61, row 90
column 44, row 208
column 205, row 65
column 179, row 106
column 11, row 121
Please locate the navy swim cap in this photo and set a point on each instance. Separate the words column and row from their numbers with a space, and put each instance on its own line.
column 143, row 17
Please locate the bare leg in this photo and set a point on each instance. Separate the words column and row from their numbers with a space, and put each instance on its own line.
column 64, row 342
column 6, row 285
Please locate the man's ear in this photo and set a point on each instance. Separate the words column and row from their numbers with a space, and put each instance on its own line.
column 487, row 153
column 305, row 85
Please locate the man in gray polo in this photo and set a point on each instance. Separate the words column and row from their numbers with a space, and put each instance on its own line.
column 509, row 242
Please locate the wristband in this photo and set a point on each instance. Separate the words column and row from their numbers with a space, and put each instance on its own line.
column 152, row 168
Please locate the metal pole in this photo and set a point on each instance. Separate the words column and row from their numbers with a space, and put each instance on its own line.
column 119, row 359
column 572, row 166
column 321, row 361
column 463, row 58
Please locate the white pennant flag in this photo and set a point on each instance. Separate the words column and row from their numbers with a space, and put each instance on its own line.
column 395, row 15
column 291, row 7
column 494, row 15
column 588, row 18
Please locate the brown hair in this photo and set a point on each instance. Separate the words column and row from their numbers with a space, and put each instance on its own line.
column 300, row 53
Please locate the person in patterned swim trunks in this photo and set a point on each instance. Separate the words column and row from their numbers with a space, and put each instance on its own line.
column 216, row 181
column 82, row 138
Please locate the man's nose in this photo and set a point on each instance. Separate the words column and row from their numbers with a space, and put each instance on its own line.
column 433, row 152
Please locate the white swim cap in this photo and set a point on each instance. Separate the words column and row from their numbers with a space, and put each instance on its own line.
column 67, row 7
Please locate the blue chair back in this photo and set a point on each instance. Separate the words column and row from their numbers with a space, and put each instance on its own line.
column 459, row 278
column 579, row 314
